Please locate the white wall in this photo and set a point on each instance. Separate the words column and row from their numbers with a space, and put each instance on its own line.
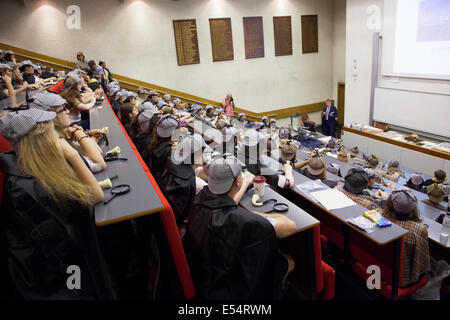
column 136, row 39
column 359, row 47
column 339, row 45
column 364, row 17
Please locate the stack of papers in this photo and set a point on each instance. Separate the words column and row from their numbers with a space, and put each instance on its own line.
column 332, row 199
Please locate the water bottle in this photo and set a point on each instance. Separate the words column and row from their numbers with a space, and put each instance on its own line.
column 445, row 232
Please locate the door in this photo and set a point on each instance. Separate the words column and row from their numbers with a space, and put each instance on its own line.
column 341, row 107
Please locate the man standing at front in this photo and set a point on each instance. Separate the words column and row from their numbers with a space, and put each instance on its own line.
column 329, row 122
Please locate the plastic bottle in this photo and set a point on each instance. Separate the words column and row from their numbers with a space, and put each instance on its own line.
column 445, row 232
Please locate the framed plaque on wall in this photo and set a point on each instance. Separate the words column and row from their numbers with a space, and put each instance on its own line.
column 253, row 37
column 221, row 39
column 310, row 34
column 186, row 41
column 282, row 31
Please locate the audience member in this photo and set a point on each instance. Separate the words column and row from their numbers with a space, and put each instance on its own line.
column 81, row 62
column 76, row 102
column 178, row 180
column 355, row 182
column 439, row 177
column 48, row 212
column 223, row 240
column 401, row 208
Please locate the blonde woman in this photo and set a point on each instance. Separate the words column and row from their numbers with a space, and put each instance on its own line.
column 85, row 142
column 47, row 205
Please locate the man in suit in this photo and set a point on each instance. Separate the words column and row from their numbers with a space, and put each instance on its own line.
column 329, row 122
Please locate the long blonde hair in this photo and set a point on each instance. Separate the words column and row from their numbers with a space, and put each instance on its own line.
column 40, row 156
column 60, row 129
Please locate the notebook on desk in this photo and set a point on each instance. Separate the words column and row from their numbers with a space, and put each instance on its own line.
column 332, row 199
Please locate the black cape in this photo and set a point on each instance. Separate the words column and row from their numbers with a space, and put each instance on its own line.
column 156, row 160
column 177, row 183
column 232, row 253
column 142, row 141
column 42, row 241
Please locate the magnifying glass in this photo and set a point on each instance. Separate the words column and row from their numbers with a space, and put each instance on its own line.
column 113, row 157
column 277, row 207
column 119, row 190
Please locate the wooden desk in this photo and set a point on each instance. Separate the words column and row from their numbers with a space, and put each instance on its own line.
column 381, row 236
column 142, row 199
column 427, row 212
column 410, row 155
column 404, row 144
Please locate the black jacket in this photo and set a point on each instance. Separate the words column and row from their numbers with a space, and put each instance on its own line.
column 157, row 159
column 141, row 141
column 43, row 240
column 177, row 182
column 232, row 253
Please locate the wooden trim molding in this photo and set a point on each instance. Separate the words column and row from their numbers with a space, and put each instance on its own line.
column 432, row 152
column 287, row 112
column 133, row 84
column 37, row 56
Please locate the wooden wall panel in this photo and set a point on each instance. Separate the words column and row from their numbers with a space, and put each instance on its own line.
column 253, row 37
column 282, row 30
column 186, row 41
column 310, row 34
column 221, row 39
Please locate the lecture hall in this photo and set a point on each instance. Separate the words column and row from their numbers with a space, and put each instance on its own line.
column 204, row 151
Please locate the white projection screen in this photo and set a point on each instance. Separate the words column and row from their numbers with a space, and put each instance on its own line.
column 416, row 39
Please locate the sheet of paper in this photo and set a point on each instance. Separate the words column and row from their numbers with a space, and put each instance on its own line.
column 332, row 199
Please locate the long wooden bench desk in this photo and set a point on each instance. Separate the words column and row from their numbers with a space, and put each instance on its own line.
column 428, row 213
column 145, row 196
column 382, row 136
column 335, row 220
column 390, row 145
column 142, row 198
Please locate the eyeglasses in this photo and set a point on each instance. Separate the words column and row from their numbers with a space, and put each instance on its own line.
column 63, row 109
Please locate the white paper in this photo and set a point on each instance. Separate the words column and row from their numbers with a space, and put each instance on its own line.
column 332, row 199
column 312, row 186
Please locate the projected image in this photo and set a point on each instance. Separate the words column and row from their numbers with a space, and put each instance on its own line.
column 434, row 21
column 422, row 38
